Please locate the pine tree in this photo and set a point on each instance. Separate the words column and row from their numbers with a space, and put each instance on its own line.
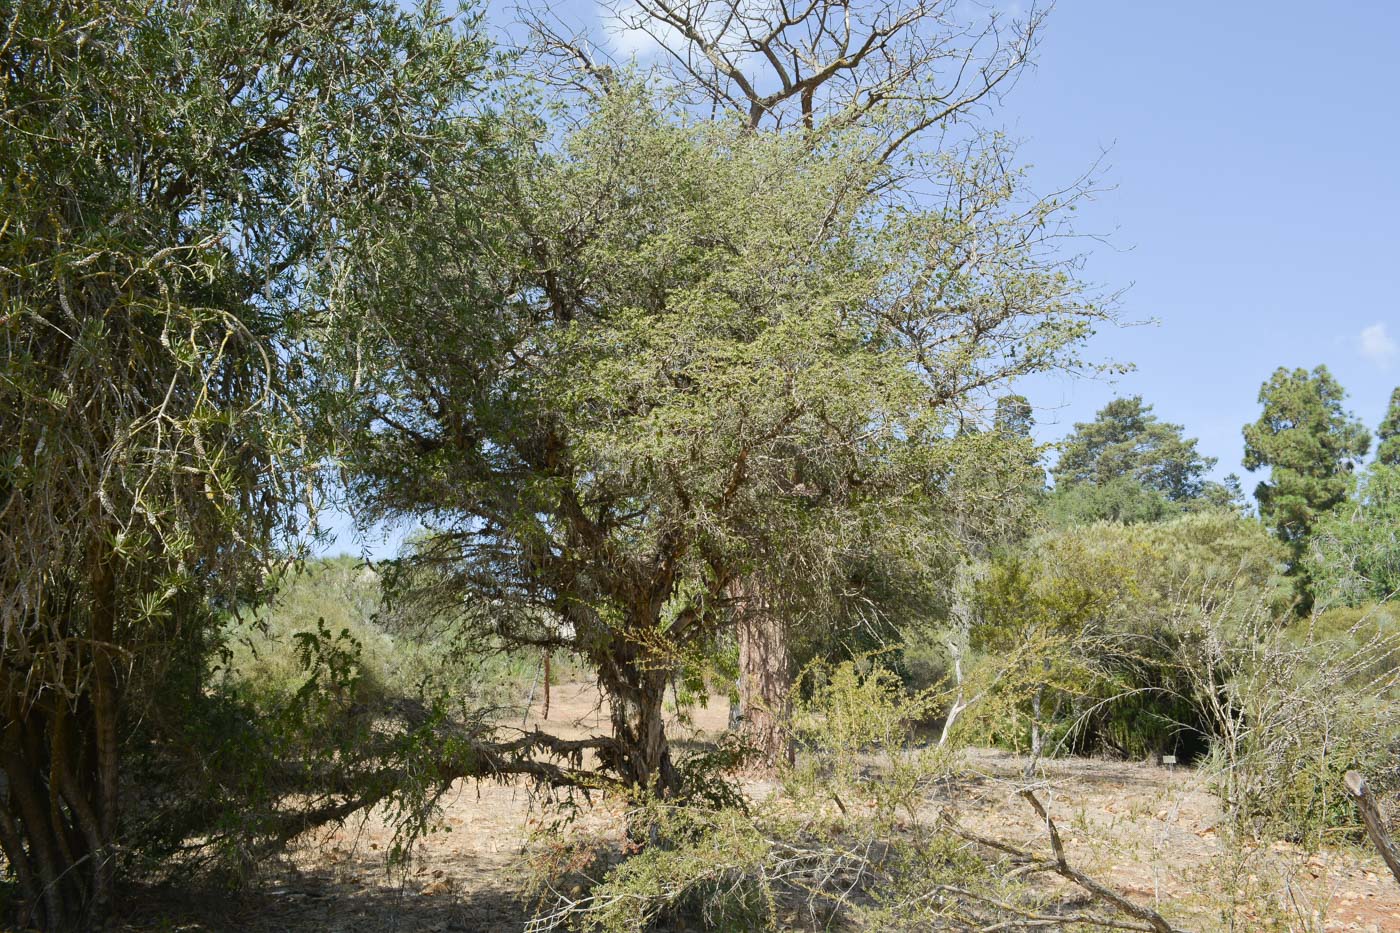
column 1127, row 441
column 1310, row 444
column 1388, row 435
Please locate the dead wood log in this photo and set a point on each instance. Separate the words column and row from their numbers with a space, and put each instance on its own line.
column 1030, row 863
column 1371, row 815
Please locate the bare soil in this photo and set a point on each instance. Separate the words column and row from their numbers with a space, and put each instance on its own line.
column 1151, row 832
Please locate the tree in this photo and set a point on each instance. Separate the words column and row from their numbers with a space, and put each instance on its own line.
column 895, row 71
column 1310, row 444
column 1388, row 434
column 897, row 67
column 1127, row 441
column 1122, row 500
column 1014, row 416
column 175, row 180
column 686, row 355
column 1354, row 552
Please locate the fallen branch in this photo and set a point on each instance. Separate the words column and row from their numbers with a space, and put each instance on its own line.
column 1103, row 892
column 1371, row 815
column 1059, row 864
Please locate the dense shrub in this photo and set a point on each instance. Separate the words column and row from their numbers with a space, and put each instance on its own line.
column 1117, row 608
column 1353, row 555
column 1293, row 708
column 399, row 652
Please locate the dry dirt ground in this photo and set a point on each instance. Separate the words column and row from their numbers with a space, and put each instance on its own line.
column 1149, row 831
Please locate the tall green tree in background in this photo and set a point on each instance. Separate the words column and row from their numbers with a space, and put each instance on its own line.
column 1128, row 466
column 1388, row 434
column 1014, row 416
column 1126, row 440
column 175, row 180
column 1310, row 444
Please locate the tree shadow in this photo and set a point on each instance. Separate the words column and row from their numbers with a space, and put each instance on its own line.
column 316, row 901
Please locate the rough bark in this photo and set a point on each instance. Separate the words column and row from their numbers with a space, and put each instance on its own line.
column 1374, row 819
column 60, row 760
column 636, row 688
column 547, row 674
column 765, row 676
column 49, row 829
column 106, row 699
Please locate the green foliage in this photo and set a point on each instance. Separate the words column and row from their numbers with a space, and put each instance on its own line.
column 399, row 655
column 619, row 368
column 1171, row 637
column 1310, row 445
column 316, row 705
column 685, row 355
column 749, row 869
column 1112, row 611
column 1014, row 416
column 1294, row 708
column 1126, row 466
column 1388, row 434
column 1353, row 555
column 248, row 762
column 1126, row 441
column 176, row 180
column 1121, row 499
column 1126, row 501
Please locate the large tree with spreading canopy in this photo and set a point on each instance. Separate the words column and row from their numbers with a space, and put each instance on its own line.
column 681, row 355
column 918, row 78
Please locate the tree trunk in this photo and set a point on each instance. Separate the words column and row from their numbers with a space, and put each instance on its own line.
column 1374, row 820
column 106, row 698
column 635, row 694
column 60, row 758
column 765, row 676
column 545, row 714
column 50, row 829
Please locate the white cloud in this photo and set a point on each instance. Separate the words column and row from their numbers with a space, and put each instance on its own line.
column 624, row 41
column 1376, row 344
column 627, row 44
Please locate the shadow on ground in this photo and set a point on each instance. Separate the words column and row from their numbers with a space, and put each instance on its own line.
column 312, row 902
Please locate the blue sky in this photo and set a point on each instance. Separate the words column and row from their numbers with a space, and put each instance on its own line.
column 1252, row 150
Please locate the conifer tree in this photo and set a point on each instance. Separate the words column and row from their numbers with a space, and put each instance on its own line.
column 1388, row 435
column 1310, row 445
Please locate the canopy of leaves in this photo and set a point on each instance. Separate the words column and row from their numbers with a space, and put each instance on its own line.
column 1121, row 499
column 1388, row 434
column 686, row 353
column 1014, row 416
column 1310, row 444
column 1126, row 440
column 1354, row 552
column 174, row 180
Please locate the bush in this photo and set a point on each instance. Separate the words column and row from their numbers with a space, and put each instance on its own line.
column 1293, row 709
column 1115, row 608
column 301, row 713
column 399, row 654
column 1353, row 554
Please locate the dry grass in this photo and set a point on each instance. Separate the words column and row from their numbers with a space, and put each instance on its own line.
column 1153, row 833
